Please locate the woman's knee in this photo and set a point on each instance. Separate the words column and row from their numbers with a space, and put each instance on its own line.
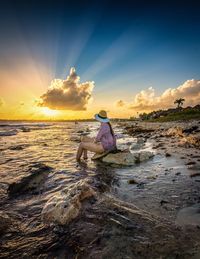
column 82, row 144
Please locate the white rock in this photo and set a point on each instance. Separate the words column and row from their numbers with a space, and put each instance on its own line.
column 145, row 155
column 67, row 204
column 140, row 141
column 135, row 146
column 127, row 158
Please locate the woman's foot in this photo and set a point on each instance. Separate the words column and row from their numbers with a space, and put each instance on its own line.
column 78, row 159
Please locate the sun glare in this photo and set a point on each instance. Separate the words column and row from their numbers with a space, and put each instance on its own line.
column 48, row 112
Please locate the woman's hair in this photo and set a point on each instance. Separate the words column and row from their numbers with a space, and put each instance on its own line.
column 111, row 129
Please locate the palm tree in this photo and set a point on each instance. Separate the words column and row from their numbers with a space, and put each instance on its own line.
column 179, row 102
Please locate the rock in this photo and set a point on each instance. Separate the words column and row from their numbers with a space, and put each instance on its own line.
column 151, row 177
column 138, row 144
column 127, row 158
column 145, row 155
column 140, row 185
column 67, row 205
column 195, row 174
column 140, row 140
column 191, row 163
column 75, row 139
column 97, row 156
column 160, row 145
column 135, row 130
column 176, row 131
column 195, row 167
column 25, row 129
column 16, row 147
column 32, row 180
column 132, row 181
column 193, row 140
column 167, row 155
column 134, row 146
column 190, row 130
column 189, row 216
column 186, row 140
column 163, row 202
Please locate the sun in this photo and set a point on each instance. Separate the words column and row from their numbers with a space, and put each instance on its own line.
column 48, row 112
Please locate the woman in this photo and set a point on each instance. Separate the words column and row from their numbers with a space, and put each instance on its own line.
column 105, row 140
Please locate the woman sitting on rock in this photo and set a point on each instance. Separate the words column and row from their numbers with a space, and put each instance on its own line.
column 105, row 140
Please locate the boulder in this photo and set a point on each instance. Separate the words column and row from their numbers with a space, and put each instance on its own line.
column 97, row 156
column 134, row 146
column 145, row 155
column 127, row 158
column 192, row 140
column 138, row 144
column 176, row 131
column 67, row 205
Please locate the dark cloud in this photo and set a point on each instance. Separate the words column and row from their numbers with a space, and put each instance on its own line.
column 120, row 103
column 67, row 94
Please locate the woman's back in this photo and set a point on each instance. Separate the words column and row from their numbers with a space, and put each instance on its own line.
column 106, row 137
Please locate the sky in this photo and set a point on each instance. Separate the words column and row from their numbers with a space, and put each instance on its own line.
column 70, row 59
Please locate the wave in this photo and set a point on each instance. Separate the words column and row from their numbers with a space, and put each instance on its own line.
column 8, row 133
column 22, row 124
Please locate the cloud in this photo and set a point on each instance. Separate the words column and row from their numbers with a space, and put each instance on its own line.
column 67, row 94
column 119, row 103
column 146, row 100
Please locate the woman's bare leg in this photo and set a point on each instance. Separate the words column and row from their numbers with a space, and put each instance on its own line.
column 85, row 154
column 93, row 147
column 87, row 139
column 79, row 152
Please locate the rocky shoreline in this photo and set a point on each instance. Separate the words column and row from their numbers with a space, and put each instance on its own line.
column 87, row 219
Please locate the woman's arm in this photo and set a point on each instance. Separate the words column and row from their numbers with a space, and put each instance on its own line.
column 100, row 134
column 103, row 130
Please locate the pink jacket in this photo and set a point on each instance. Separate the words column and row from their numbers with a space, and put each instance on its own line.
column 104, row 136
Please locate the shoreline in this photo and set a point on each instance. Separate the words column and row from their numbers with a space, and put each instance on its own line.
column 118, row 219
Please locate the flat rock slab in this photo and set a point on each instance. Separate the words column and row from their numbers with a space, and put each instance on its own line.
column 189, row 216
column 127, row 158
column 98, row 156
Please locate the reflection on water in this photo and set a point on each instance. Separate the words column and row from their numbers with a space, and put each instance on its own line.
column 55, row 145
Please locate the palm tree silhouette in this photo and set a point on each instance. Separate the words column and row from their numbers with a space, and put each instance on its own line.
column 179, row 102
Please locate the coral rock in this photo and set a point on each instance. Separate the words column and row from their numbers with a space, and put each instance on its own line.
column 66, row 206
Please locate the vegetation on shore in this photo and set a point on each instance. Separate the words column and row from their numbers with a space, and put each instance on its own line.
column 176, row 114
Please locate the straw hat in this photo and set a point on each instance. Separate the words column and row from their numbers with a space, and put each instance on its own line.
column 102, row 116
